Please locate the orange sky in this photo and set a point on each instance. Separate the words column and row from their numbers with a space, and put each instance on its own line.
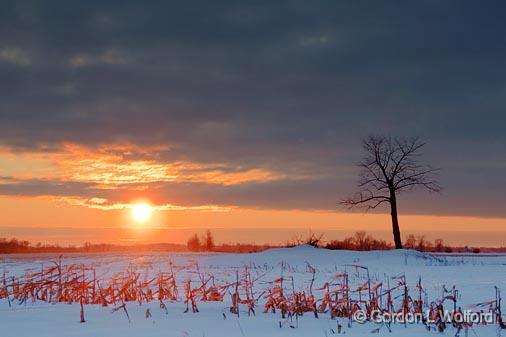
column 52, row 190
column 176, row 225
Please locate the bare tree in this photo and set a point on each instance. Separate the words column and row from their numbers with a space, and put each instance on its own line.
column 391, row 166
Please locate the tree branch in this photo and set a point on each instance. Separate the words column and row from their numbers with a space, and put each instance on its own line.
column 390, row 165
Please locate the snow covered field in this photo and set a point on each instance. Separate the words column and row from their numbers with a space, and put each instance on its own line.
column 474, row 276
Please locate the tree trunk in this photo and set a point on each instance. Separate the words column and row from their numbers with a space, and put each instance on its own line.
column 395, row 222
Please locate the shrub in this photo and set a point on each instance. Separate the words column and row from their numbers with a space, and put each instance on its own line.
column 359, row 241
column 209, row 241
column 193, row 243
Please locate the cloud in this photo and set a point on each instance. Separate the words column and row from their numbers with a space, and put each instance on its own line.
column 104, row 204
column 38, row 187
column 15, row 56
column 115, row 165
column 252, row 97
column 107, row 57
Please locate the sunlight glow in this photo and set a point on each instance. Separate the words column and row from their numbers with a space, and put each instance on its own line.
column 141, row 212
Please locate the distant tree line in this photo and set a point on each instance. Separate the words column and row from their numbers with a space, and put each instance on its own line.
column 422, row 244
column 206, row 243
column 13, row 246
column 363, row 241
column 360, row 241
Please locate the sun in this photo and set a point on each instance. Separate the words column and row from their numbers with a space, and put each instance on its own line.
column 141, row 212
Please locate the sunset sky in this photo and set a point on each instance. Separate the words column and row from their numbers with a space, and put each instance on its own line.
column 245, row 117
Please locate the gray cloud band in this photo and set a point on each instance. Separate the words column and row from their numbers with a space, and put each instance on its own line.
column 284, row 85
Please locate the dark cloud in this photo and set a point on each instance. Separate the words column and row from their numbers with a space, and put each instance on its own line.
column 286, row 85
column 317, row 194
column 37, row 187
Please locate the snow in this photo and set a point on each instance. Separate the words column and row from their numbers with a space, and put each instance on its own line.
column 473, row 275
